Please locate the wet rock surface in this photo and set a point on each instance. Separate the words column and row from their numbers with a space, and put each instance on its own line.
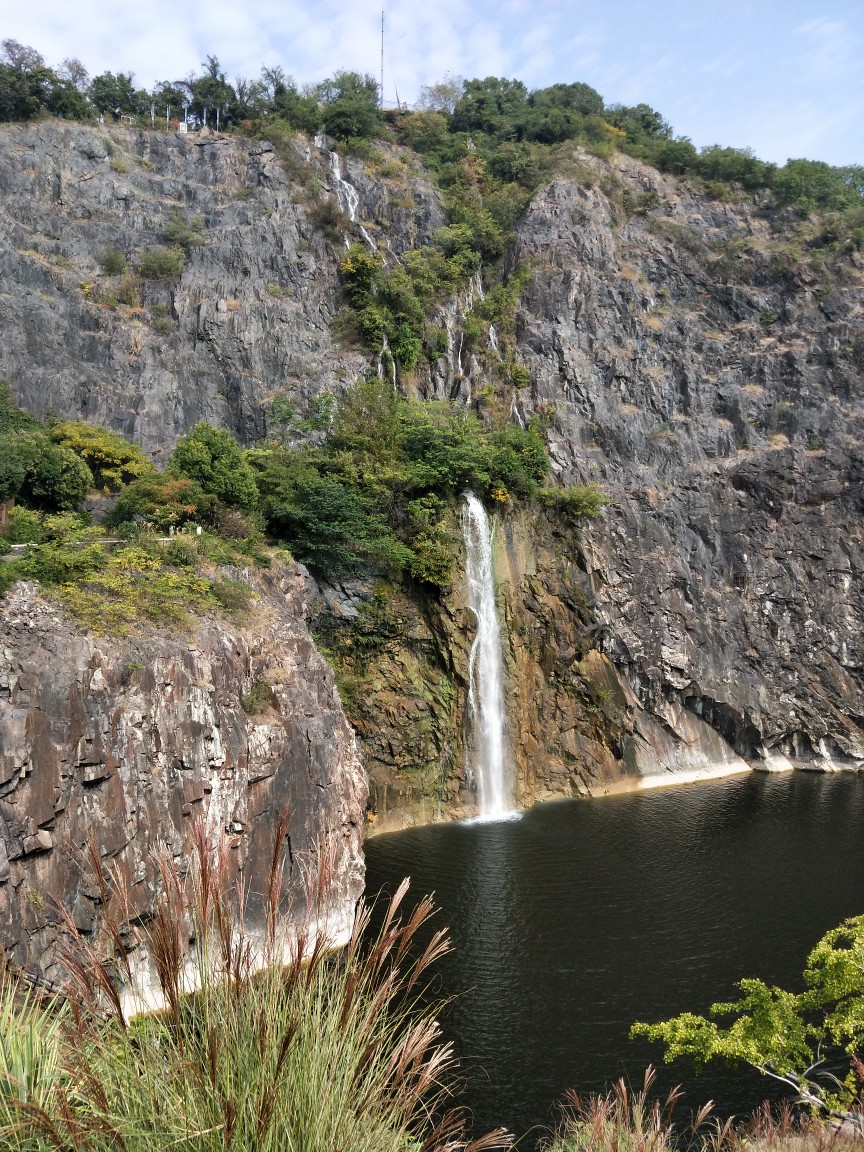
column 128, row 741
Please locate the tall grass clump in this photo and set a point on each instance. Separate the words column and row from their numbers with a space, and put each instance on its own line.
column 29, row 1055
column 621, row 1120
column 265, row 1040
column 624, row 1120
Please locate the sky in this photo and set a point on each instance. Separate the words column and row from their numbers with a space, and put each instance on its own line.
column 783, row 77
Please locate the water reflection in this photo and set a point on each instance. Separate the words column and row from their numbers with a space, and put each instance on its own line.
column 584, row 916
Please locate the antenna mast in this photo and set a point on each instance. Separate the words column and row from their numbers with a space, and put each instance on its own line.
column 382, row 58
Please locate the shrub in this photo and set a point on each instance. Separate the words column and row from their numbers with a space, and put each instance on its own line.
column 112, row 262
column 260, row 698
column 24, row 526
column 213, row 458
column 112, row 460
column 129, row 587
column 40, row 473
column 578, row 502
column 185, row 233
column 161, row 264
column 181, row 552
column 129, row 292
column 163, row 501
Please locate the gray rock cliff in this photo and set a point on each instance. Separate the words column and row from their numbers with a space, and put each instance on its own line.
column 710, row 382
column 128, row 740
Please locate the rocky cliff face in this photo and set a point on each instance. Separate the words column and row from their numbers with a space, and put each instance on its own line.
column 253, row 310
column 716, row 391
column 128, row 741
column 713, row 617
column 684, row 356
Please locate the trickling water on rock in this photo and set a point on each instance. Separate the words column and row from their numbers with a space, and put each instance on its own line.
column 346, row 194
column 486, row 688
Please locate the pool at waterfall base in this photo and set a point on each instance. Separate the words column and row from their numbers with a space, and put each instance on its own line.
column 584, row 916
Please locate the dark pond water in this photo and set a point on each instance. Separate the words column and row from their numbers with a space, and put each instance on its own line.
column 583, row 916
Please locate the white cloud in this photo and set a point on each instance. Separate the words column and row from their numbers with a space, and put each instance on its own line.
column 718, row 70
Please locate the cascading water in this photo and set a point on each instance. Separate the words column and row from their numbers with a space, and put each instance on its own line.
column 346, row 194
column 485, row 669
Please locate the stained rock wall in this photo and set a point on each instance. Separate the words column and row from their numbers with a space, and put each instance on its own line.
column 129, row 740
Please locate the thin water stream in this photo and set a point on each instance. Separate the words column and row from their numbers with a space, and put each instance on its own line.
column 583, row 916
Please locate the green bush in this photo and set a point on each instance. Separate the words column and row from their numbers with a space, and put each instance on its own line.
column 161, row 501
column 213, row 458
column 259, row 699
column 24, row 526
column 185, row 233
column 181, row 552
column 112, row 460
column 40, row 473
column 161, row 264
column 112, row 262
column 578, row 502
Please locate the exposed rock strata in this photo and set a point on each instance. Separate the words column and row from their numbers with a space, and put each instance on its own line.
column 252, row 312
column 709, row 381
column 128, row 740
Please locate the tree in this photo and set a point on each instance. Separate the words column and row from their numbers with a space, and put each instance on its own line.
column 117, row 94
column 112, row 460
column 40, row 473
column 813, row 184
column 25, row 81
column 787, row 1035
column 350, row 105
column 442, row 96
column 489, row 105
column 211, row 91
column 640, row 122
column 214, row 458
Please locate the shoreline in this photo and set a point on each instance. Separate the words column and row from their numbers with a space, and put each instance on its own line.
column 773, row 765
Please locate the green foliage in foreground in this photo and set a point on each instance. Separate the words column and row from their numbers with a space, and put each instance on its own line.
column 267, row 1043
column 786, row 1035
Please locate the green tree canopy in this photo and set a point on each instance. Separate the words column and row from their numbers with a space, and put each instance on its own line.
column 786, row 1035
column 112, row 460
column 213, row 458
column 350, row 105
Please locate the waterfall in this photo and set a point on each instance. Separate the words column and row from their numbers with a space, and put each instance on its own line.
column 485, row 668
column 386, row 350
column 346, row 194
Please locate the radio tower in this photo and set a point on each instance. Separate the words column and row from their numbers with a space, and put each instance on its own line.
column 382, row 59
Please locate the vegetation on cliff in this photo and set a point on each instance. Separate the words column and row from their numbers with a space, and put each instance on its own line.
column 376, row 494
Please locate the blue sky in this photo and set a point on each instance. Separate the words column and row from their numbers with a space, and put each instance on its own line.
column 784, row 77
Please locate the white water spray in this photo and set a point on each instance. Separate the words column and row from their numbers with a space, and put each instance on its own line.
column 485, row 668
